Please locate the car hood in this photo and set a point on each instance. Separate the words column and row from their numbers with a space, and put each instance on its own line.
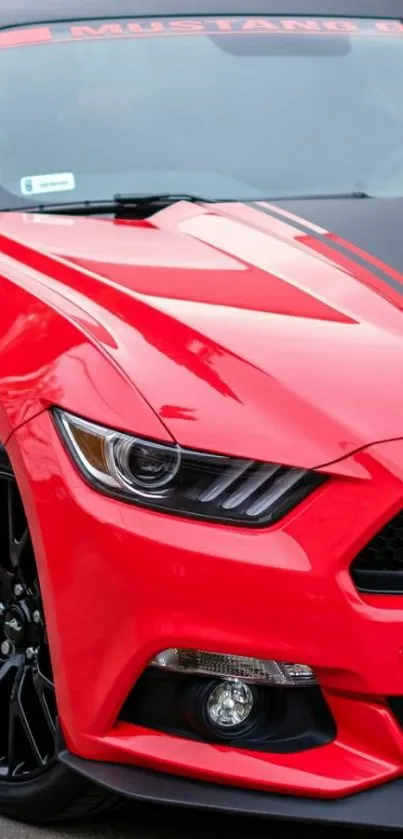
column 267, row 331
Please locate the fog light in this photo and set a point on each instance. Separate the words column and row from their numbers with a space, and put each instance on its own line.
column 252, row 670
column 230, row 704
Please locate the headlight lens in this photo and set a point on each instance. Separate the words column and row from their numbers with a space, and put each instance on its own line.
column 182, row 482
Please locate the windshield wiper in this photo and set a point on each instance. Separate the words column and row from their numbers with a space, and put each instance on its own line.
column 120, row 206
column 136, row 205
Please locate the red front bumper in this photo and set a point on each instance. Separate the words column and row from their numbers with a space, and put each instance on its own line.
column 120, row 584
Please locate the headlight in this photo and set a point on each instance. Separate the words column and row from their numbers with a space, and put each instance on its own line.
column 182, row 482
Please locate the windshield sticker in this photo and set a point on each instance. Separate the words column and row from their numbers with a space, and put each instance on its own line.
column 146, row 28
column 38, row 184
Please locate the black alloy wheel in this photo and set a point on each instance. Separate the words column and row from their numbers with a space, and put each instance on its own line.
column 27, row 697
column 34, row 786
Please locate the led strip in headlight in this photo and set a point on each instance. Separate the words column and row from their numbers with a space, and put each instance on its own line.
column 182, row 482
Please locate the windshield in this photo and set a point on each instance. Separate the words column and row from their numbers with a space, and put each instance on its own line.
column 229, row 109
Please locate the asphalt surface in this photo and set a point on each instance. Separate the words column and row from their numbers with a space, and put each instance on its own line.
column 166, row 823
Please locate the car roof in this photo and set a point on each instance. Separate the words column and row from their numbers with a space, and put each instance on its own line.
column 20, row 12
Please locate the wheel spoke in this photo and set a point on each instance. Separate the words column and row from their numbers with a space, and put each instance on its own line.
column 16, row 549
column 23, row 719
column 44, row 683
column 12, row 747
column 16, row 543
column 5, row 669
column 41, row 685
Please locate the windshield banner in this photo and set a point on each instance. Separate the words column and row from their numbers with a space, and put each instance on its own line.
column 146, row 28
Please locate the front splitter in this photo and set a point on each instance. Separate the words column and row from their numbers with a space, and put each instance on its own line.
column 380, row 807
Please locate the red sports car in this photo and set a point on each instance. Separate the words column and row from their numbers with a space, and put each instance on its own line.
column 201, row 407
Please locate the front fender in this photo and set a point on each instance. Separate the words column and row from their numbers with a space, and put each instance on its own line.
column 49, row 355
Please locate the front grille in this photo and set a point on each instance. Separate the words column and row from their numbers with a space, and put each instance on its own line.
column 378, row 569
column 396, row 706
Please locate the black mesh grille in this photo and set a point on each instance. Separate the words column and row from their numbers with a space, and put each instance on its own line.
column 378, row 569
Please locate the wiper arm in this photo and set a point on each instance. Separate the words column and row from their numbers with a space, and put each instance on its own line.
column 119, row 206
column 325, row 196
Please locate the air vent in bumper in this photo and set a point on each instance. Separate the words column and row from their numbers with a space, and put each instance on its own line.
column 378, row 568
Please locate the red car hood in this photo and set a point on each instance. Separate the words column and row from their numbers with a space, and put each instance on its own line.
column 245, row 332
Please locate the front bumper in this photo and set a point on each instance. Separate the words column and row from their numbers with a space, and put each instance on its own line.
column 120, row 584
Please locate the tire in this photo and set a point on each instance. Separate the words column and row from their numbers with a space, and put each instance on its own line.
column 34, row 787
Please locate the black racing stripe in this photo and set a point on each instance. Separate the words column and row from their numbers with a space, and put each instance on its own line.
column 335, row 246
column 304, row 228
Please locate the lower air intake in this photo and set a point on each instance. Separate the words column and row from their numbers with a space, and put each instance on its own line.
column 378, row 569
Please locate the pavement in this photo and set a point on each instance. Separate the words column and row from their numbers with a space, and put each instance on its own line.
column 166, row 823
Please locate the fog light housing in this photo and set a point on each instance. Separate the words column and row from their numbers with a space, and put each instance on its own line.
column 229, row 704
column 248, row 670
